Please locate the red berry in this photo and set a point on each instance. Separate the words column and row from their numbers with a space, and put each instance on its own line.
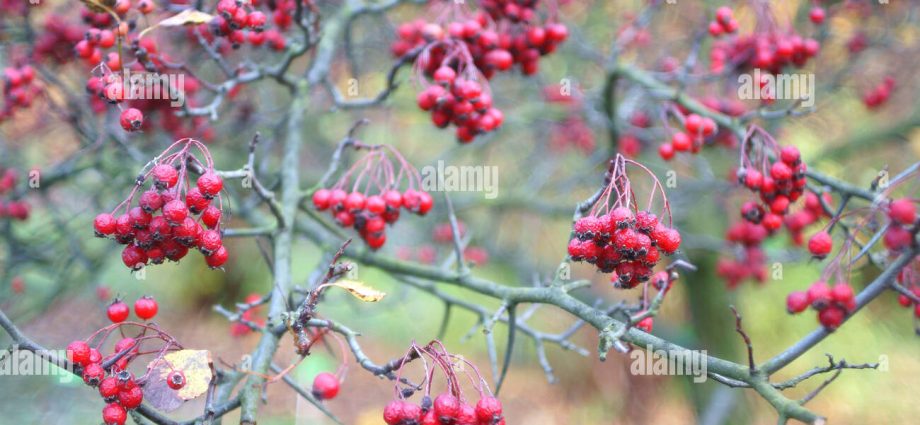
column 165, row 176
column 446, row 408
column 131, row 398
column 819, row 295
column 666, row 151
column 196, row 201
column 903, row 211
column 78, row 352
column 820, row 244
column 176, row 380
column 114, row 414
column 151, row 201
column 175, row 212
column 134, row 257
column 790, row 155
column 210, row 184
column 118, row 311
column 93, row 374
column 797, row 302
column 211, row 216
column 146, row 307
column 325, row 386
column 817, row 15
column 104, row 224
column 831, row 318
column 681, row 141
column 667, row 239
column 842, row 293
column 108, row 389
column 209, row 241
column 780, row 171
column 322, row 199
column 724, row 15
column 355, row 201
column 488, row 410
column 131, row 119
column 217, row 258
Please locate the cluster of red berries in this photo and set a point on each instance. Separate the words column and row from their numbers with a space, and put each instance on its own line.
column 751, row 262
column 11, row 208
column 697, row 127
column 724, row 23
column 903, row 227
column 460, row 58
column 118, row 387
column 145, row 308
column 445, row 409
column 619, row 238
column 770, row 50
column 374, row 198
column 163, row 225
column 19, row 89
column 779, row 185
column 448, row 407
column 240, row 22
column 878, row 95
column 833, row 304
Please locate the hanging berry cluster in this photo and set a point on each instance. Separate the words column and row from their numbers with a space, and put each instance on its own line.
column 368, row 195
column 697, row 129
column 833, row 303
column 19, row 89
column 12, row 208
column 118, row 387
column 617, row 237
column 449, row 407
column 172, row 215
column 458, row 58
column 776, row 174
column 770, row 49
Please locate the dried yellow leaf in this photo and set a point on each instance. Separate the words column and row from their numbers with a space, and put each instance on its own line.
column 195, row 365
column 360, row 290
column 186, row 17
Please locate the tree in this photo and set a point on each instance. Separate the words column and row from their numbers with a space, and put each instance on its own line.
column 161, row 100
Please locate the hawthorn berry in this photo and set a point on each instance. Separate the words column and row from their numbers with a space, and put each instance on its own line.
column 176, row 380
column 488, row 410
column 104, row 224
column 118, row 311
column 820, row 244
column 831, row 318
column 93, row 374
column 78, row 352
column 217, row 258
column 108, row 389
column 146, row 307
column 819, row 295
column 446, row 408
column 114, row 414
column 325, row 386
column 210, row 184
column 131, row 119
column 903, row 211
column 131, row 398
column 165, row 176
column 797, row 302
